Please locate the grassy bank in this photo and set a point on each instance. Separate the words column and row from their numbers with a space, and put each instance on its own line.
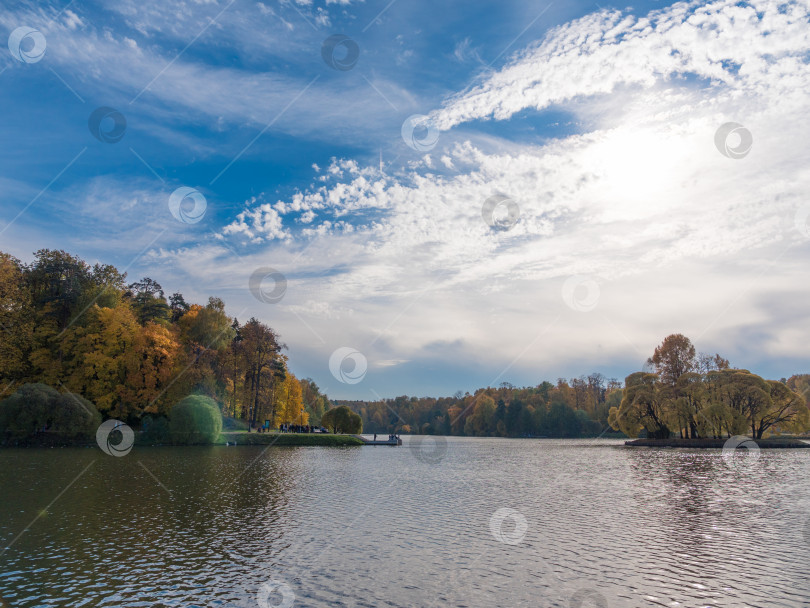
column 52, row 440
column 288, row 439
column 775, row 442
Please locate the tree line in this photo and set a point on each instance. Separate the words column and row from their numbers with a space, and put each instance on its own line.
column 578, row 407
column 679, row 393
column 132, row 352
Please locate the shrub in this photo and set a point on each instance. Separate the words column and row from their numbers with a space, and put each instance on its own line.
column 155, row 430
column 233, row 424
column 194, row 420
column 38, row 407
column 75, row 416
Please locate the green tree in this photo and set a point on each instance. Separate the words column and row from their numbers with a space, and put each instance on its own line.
column 58, row 280
column 342, row 420
column 178, row 306
column 148, row 302
column 315, row 402
column 788, row 411
column 643, row 407
column 482, row 421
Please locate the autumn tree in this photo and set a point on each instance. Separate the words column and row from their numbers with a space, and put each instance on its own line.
column 260, row 351
column 103, row 356
column 16, row 323
column 672, row 358
column 157, row 365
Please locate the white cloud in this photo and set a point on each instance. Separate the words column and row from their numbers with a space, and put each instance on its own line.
column 641, row 200
column 262, row 223
column 748, row 48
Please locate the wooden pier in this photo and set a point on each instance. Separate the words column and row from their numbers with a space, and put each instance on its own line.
column 392, row 442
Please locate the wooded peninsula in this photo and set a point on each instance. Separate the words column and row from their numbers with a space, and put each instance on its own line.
column 125, row 351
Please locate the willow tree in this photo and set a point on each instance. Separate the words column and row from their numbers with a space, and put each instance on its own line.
column 643, row 407
column 788, row 411
column 688, row 398
column 766, row 405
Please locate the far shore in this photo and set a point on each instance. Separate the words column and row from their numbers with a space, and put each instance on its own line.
column 770, row 443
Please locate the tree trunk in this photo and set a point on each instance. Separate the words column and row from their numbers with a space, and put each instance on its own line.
column 256, row 396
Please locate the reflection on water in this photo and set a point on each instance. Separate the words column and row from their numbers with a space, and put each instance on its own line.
column 484, row 522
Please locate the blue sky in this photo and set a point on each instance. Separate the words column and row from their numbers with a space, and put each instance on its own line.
column 597, row 122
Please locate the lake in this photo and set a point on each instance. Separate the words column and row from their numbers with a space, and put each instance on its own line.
column 466, row 522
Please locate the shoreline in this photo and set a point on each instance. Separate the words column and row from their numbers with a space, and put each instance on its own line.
column 237, row 438
column 228, row 438
column 770, row 443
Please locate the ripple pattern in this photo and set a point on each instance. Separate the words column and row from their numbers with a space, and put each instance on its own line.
column 605, row 526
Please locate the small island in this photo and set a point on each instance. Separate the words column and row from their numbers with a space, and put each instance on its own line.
column 699, row 401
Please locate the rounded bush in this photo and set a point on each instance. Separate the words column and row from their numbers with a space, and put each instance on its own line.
column 342, row 420
column 36, row 408
column 195, row 420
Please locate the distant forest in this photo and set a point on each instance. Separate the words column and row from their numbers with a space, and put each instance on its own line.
column 680, row 393
column 570, row 408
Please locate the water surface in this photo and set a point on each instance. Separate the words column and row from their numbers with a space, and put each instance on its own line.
column 582, row 523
